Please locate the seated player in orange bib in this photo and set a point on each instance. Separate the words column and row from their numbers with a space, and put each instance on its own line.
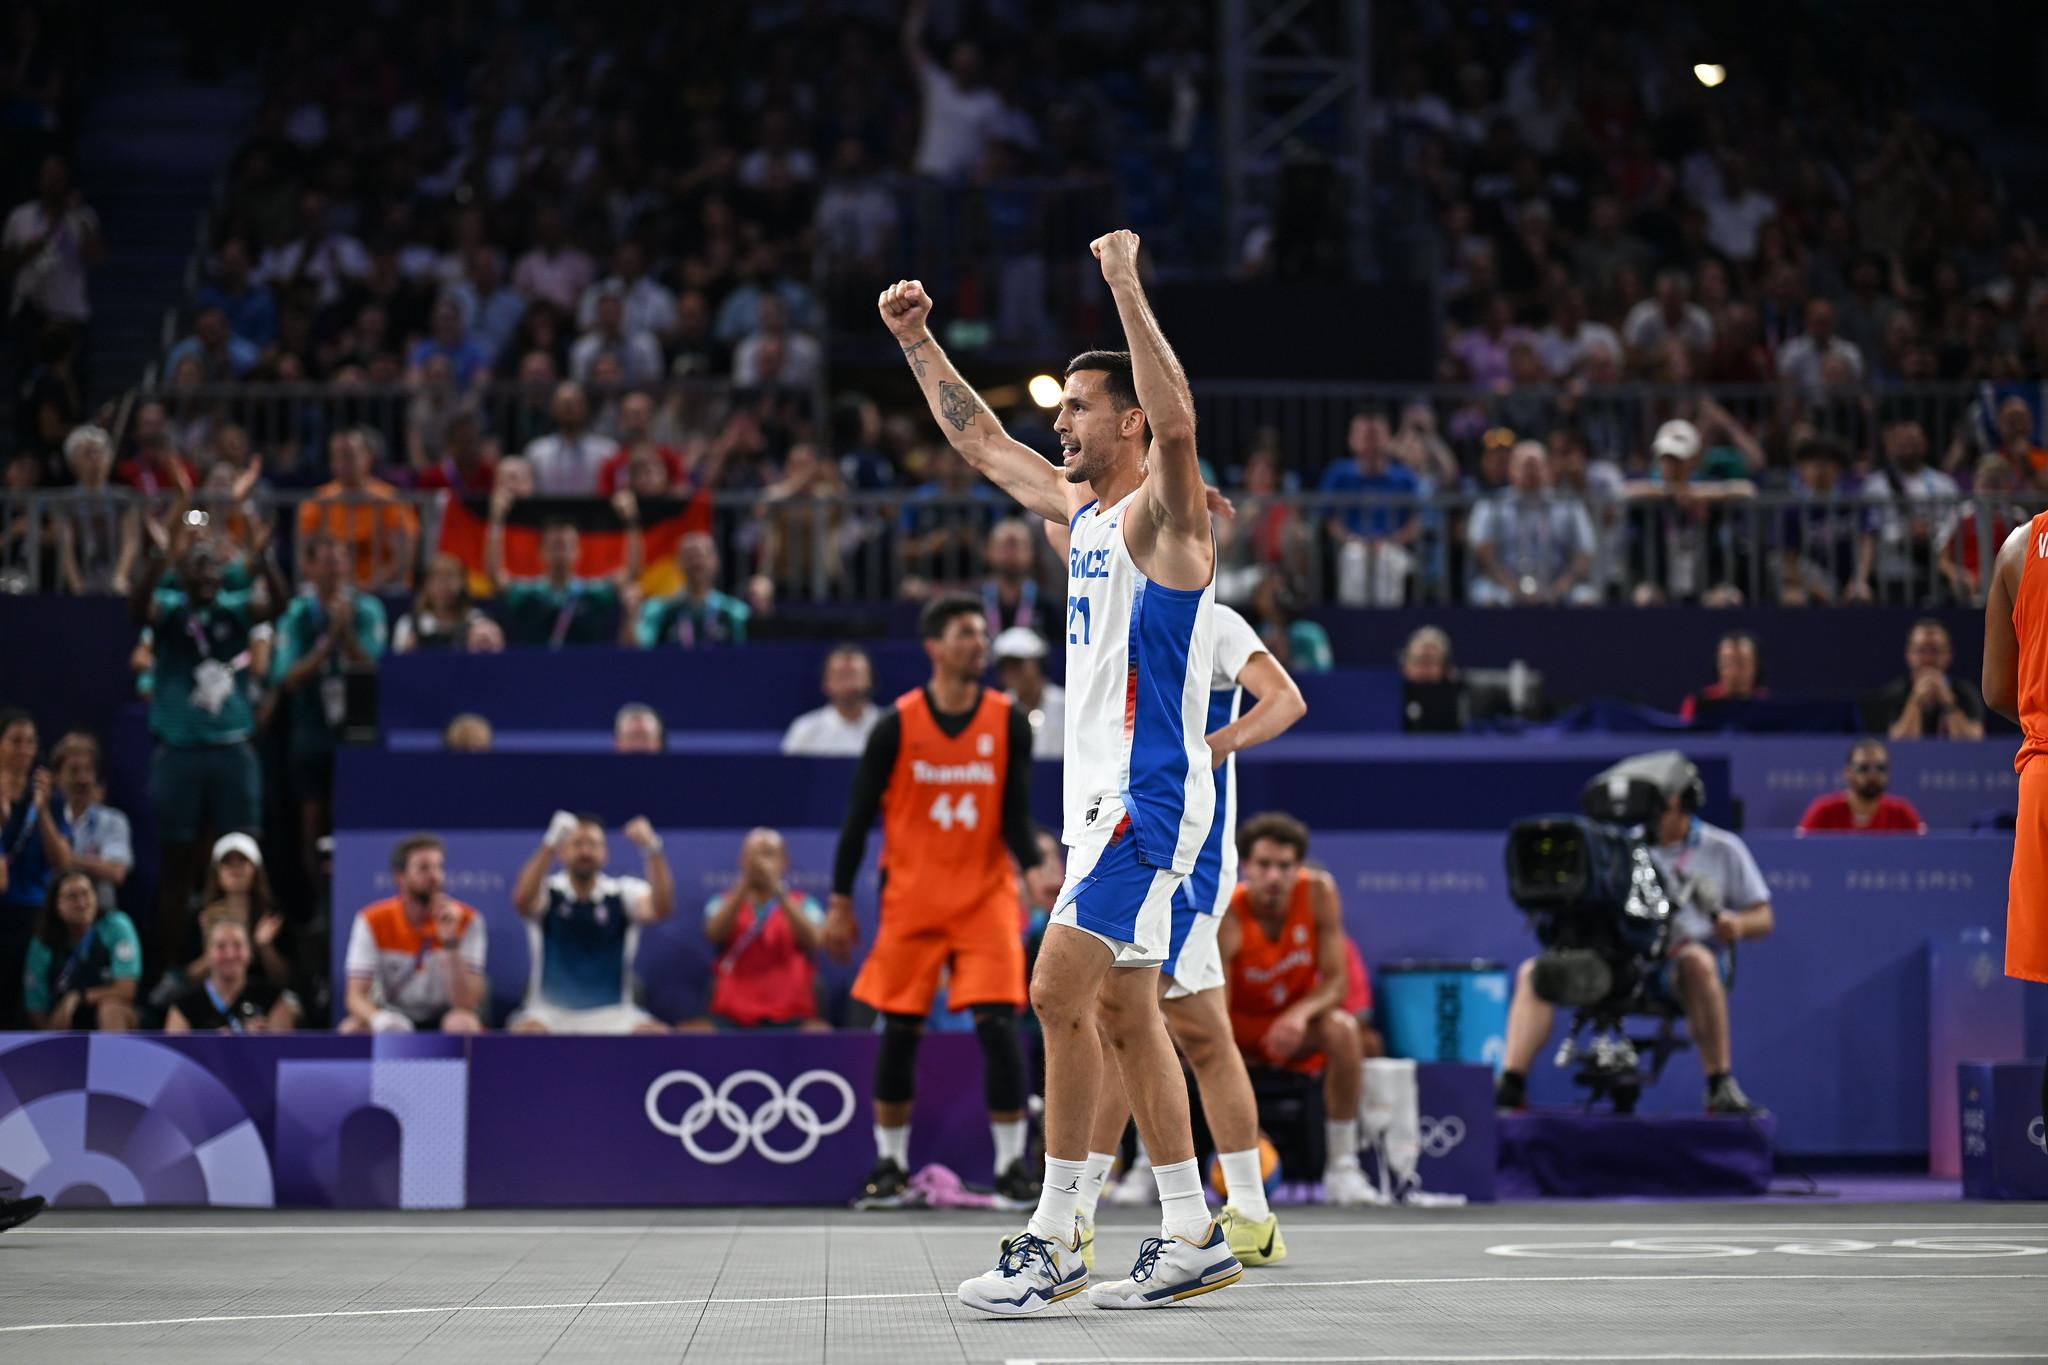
column 2016, row 686
column 1283, row 949
column 948, row 768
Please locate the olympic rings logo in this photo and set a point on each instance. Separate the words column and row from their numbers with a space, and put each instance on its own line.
column 718, row 1106
column 1441, row 1136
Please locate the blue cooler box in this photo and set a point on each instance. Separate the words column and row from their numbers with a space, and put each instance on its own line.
column 1438, row 1011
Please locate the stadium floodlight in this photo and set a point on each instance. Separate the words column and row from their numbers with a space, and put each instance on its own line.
column 1045, row 390
column 1710, row 74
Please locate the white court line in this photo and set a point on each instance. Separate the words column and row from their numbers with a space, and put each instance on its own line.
column 587, row 1305
column 1474, row 1359
column 432, row 1229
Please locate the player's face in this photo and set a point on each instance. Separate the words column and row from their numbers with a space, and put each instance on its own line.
column 962, row 651
column 1269, row 869
column 1090, row 429
column 583, row 851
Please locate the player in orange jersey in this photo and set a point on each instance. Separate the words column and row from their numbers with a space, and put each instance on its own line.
column 948, row 769
column 2016, row 686
column 1283, row 949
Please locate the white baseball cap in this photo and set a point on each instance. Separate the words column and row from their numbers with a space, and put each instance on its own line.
column 237, row 843
column 1677, row 438
column 1019, row 642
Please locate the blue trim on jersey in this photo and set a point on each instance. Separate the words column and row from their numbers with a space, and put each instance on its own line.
column 1163, row 622
column 1197, row 892
column 1075, row 520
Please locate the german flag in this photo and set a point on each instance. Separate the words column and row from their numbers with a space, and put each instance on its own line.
column 465, row 523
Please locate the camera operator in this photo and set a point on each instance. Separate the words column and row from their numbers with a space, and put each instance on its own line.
column 1720, row 898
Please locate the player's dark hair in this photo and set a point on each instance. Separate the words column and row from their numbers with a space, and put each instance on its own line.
column 1277, row 826
column 402, row 851
column 940, row 612
column 1116, row 365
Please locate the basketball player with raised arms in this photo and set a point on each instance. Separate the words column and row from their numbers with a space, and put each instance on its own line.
column 1138, row 790
column 2016, row 686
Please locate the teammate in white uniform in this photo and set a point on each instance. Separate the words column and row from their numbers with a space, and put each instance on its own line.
column 1139, row 790
column 1192, row 977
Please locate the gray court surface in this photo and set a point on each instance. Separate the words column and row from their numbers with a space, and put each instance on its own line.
column 1608, row 1282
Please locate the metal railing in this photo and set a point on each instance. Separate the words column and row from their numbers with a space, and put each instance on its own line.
column 1641, row 544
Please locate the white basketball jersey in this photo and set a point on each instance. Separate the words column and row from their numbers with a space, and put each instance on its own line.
column 1209, row 887
column 1139, row 658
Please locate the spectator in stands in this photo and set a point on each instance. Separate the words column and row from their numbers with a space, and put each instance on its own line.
column 156, row 466
column 1020, row 671
column 699, row 614
column 1863, row 806
column 238, row 890
column 560, row 607
column 96, row 837
column 228, row 998
column 319, row 263
column 222, row 356
column 1374, row 558
column 441, row 610
column 637, row 729
column 802, row 524
column 1682, row 546
column 567, row 460
column 839, row 728
column 463, row 459
column 1483, row 351
column 47, row 246
column 416, row 960
column 1927, row 702
column 801, row 361
column 84, row 964
column 636, row 350
column 2016, row 440
column 1724, row 900
column 944, row 522
column 1564, row 344
column 1010, row 594
column 1969, row 541
column 1819, row 537
column 448, row 340
column 767, row 935
column 1738, row 671
column 1736, row 211
column 1668, row 315
column 98, row 536
column 739, row 315
column 468, row 733
column 962, row 115
column 27, row 840
column 375, row 531
column 638, row 447
column 1433, row 696
column 1896, row 560
column 856, row 214
column 484, row 636
column 1804, row 359
column 331, row 629
column 205, row 774
column 491, row 308
column 553, row 269
column 648, row 305
column 1529, row 545
column 250, row 308
column 586, row 924
column 1301, row 646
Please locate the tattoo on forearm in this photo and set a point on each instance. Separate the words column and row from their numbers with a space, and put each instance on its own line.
column 958, row 405
column 917, row 362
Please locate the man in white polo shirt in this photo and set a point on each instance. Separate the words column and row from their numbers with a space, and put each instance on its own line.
column 583, row 927
column 839, row 728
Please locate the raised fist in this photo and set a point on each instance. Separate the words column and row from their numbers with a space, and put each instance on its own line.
column 905, row 306
column 1118, row 252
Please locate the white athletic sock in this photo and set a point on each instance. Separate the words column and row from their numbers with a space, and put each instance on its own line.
column 1242, row 1187
column 1183, row 1211
column 1093, row 1175
column 1010, row 1139
column 1058, row 1200
column 893, row 1144
column 1343, row 1143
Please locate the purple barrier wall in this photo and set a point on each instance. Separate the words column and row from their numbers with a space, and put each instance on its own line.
column 318, row 1121
column 1831, row 1015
